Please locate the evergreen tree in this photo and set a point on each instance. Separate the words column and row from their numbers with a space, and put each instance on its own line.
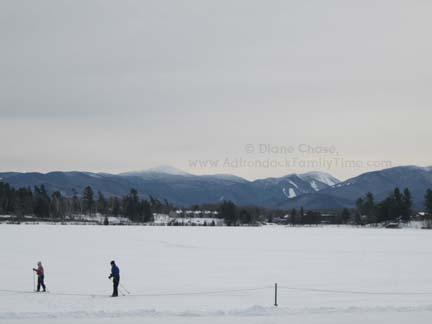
column 293, row 216
column 228, row 212
column 41, row 206
column 384, row 210
column 156, row 205
column 406, row 205
column 369, row 204
column 245, row 217
column 394, row 207
column 345, row 216
column 302, row 215
column 147, row 212
column 366, row 207
column 360, row 205
column 76, row 203
column 428, row 201
column 116, row 206
column 428, row 208
column 23, row 204
column 132, row 206
column 88, row 200
column 357, row 218
column 102, row 204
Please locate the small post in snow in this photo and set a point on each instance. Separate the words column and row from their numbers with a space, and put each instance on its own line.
column 276, row 296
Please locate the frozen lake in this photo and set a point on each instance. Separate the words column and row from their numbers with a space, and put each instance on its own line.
column 217, row 274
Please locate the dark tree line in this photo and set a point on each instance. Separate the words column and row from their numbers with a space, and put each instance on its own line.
column 396, row 207
column 41, row 204
column 428, row 202
column 235, row 216
column 428, row 208
column 302, row 217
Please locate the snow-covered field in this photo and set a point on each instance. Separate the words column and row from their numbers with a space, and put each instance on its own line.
column 217, row 274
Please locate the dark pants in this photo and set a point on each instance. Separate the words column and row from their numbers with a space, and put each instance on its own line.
column 41, row 283
column 116, row 282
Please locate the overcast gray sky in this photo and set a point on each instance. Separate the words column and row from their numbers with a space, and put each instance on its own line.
column 113, row 86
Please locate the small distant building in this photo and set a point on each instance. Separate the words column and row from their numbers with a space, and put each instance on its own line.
column 161, row 219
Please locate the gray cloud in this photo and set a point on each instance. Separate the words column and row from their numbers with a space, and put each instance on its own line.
column 163, row 82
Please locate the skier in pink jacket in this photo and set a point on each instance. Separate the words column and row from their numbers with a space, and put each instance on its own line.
column 41, row 276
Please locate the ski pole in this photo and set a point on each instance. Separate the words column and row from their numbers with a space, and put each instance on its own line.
column 125, row 289
column 34, row 281
column 121, row 292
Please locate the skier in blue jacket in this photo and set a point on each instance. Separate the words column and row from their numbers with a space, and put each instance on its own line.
column 115, row 274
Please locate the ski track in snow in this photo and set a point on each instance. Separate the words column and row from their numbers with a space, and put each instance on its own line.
column 246, row 312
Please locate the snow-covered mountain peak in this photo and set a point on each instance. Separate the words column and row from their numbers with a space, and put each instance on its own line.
column 163, row 170
column 322, row 177
column 166, row 169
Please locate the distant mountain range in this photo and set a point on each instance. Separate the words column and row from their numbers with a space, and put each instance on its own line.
column 312, row 190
